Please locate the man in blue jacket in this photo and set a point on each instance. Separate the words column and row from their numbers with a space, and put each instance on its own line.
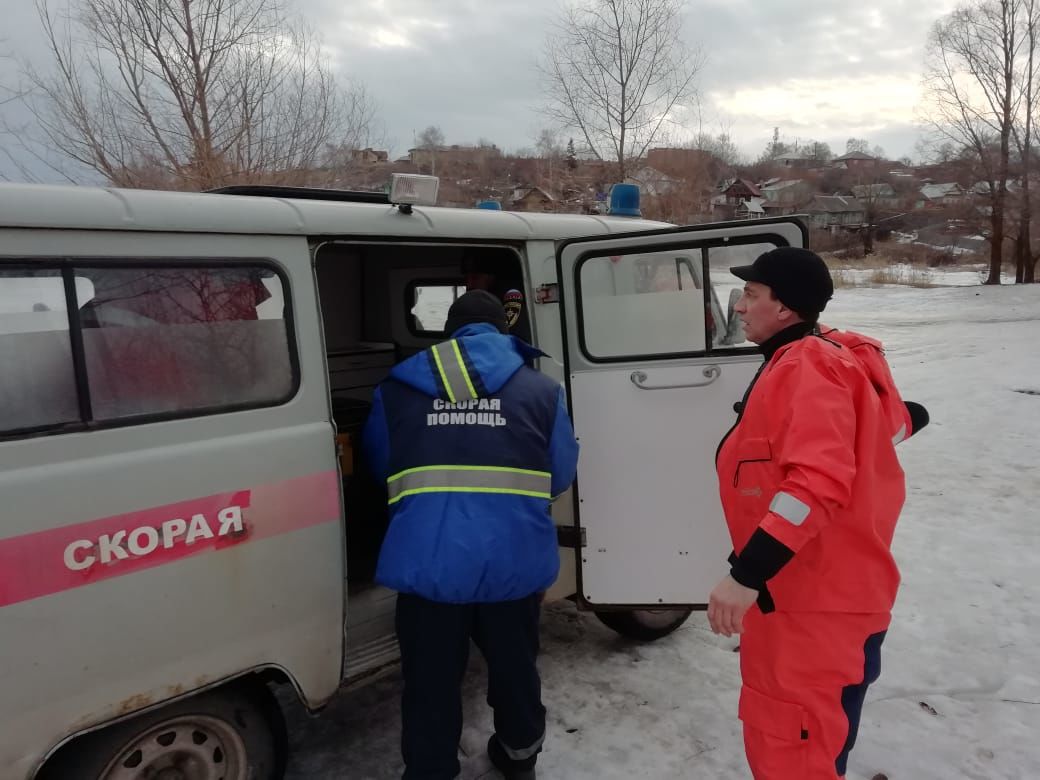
column 473, row 445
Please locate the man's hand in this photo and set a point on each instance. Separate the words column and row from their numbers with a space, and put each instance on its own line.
column 727, row 605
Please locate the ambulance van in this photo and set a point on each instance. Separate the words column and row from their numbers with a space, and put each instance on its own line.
column 186, row 518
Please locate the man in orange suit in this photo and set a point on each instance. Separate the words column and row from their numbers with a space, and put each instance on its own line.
column 812, row 489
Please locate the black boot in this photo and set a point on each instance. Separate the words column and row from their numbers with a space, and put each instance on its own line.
column 510, row 768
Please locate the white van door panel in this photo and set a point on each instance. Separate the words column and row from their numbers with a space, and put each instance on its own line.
column 653, row 377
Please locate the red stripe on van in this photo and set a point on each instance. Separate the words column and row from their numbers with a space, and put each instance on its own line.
column 59, row 559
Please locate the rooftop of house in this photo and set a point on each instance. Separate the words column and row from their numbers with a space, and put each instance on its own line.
column 932, row 191
column 753, row 206
column 855, row 156
column 835, row 204
column 750, row 186
column 880, row 190
column 519, row 193
column 780, row 184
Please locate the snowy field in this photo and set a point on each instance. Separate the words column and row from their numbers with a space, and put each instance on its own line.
column 959, row 696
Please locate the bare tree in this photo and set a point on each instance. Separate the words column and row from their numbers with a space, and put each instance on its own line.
column 8, row 93
column 720, row 146
column 872, row 190
column 616, row 72
column 1024, row 131
column 550, row 150
column 685, row 202
column 431, row 138
column 345, row 163
column 857, row 145
column 775, row 148
column 548, row 144
column 819, row 151
column 973, row 95
column 430, row 142
column 189, row 93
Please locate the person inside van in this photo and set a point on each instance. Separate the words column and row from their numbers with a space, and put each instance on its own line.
column 501, row 278
column 473, row 445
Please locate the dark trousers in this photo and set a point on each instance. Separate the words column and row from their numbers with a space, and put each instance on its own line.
column 434, row 641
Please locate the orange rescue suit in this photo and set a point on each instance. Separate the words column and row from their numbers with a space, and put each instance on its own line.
column 811, row 467
column 812, row 462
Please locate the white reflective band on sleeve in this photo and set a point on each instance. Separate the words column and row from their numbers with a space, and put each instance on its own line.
column 899, row 436
column 789, row 508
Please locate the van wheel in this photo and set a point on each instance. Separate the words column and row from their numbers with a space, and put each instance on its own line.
column 228, row 734
column 644, row 624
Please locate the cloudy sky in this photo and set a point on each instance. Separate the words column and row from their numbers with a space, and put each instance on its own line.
column 817, row 69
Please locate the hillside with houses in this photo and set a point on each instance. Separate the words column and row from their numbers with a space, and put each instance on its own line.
column 848, row 201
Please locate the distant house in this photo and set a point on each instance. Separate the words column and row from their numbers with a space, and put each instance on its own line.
column 531, row 199
column 855, row 161
column 734, row 192
column 982, row 187
column 653, row 182
column 454, row 155
column 882, row 194
column 936, row 195
column 741, row 189
column 786, row 196
column 836, row 211
column 369, row 156
column 795, row 161
column 752, row 208
column 686, row 163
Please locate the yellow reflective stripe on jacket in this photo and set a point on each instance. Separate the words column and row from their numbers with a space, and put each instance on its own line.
column 453, row 373
column 469, row 479
column 462, row 366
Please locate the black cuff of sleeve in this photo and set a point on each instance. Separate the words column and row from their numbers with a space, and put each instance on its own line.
column 761, row 559
column 919, row 417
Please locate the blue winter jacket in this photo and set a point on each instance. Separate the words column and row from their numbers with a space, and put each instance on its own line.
column 473, row 444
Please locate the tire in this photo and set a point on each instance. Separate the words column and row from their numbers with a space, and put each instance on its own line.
column 233, row 733
column 645, row 625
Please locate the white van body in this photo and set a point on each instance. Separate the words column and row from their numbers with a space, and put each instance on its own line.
column 178, row 371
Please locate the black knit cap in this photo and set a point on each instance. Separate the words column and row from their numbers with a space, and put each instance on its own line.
column 798, row 278
column 476, row 306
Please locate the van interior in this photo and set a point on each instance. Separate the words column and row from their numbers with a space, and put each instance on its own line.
column 380, row 304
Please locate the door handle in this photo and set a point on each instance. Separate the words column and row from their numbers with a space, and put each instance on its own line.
column 711, row 373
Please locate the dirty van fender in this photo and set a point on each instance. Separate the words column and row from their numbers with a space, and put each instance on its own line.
column 142, row 711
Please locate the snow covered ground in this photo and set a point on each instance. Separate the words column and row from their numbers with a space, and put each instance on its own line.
column 904, row 274
column 959, row 696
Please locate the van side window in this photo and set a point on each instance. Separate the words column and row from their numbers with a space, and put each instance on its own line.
column 162, row 340
column 148, row 341
column 666, row 303
column 37, row 380
column 430, row 302
column 642, row 304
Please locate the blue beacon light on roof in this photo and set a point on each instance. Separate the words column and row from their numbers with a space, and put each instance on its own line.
column 624, row 201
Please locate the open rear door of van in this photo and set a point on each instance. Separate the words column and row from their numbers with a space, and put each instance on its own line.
column 655, row 363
